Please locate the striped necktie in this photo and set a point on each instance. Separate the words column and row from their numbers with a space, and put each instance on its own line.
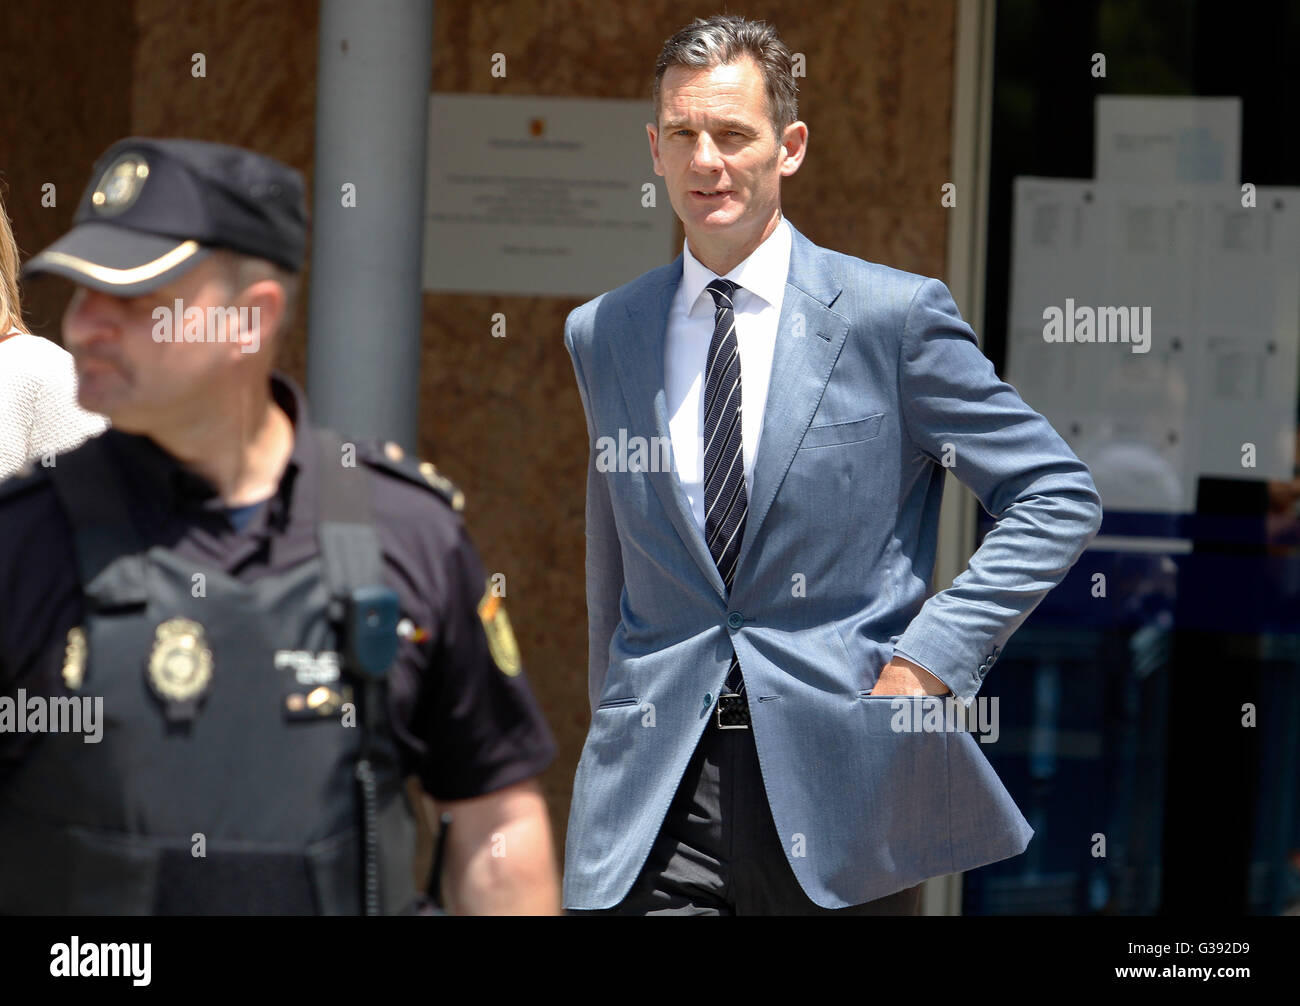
column 725, row 500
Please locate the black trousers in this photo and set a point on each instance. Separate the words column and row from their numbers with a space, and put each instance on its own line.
column 718, row 851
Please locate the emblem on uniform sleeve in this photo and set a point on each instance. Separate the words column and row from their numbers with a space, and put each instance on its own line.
column 500, row 637
column 180, row 666
column 74, row 658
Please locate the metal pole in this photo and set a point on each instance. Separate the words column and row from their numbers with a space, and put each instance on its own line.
column 373, row 72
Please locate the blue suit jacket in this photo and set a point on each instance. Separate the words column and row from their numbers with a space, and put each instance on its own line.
column 874, row 375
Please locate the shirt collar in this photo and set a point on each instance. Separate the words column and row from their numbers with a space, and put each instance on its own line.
column 162, row 484
column 763, row 273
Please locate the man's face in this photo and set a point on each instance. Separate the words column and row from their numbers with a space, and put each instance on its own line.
column 128, row 371
column 717, row 150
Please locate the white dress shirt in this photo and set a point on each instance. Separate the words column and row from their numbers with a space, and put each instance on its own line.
column 757, row 309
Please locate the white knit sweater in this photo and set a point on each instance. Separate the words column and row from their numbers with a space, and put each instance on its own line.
column 38, row 402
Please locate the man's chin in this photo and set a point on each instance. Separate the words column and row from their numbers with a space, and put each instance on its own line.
column 710, row 228
column 101, row 403
column 99, row 387
column 718, row 219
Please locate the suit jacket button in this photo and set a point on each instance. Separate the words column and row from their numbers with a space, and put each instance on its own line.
column 735, row 619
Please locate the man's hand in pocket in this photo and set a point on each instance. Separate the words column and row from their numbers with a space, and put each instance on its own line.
column 906, row 677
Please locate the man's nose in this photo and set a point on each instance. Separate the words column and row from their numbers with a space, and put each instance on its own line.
column 90, row 315
column 706, row 157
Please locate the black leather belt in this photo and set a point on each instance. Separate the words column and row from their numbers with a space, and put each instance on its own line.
column 733, row 712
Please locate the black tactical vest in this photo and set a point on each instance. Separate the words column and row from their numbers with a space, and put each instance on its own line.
column 248, row 807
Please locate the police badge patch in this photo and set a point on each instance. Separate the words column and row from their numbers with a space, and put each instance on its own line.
column 500, row 637
column 180, row 667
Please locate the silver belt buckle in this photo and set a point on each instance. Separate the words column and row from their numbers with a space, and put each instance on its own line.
column 737, row 710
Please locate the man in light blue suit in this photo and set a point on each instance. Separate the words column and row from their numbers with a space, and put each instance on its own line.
column 758, row 606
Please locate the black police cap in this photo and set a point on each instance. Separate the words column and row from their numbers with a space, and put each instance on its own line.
column 156, row 208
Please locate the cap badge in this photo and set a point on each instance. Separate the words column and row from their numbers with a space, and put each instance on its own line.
column 120, row 185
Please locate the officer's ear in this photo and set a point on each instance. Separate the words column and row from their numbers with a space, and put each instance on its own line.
column 262, row 311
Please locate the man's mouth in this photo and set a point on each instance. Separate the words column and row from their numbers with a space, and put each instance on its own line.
column 717, row 194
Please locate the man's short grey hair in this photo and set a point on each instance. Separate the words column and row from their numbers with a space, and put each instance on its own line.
column 725, row 38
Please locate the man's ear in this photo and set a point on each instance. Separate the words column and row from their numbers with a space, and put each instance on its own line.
column 653, row 134
column 794, row 145
column 265, row 302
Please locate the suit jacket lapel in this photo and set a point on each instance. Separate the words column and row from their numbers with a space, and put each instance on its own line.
column 808, row 342
column 639, row 356
column 809, row 337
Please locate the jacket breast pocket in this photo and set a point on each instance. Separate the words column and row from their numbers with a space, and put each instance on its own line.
column 851, row 432
column 629, row 700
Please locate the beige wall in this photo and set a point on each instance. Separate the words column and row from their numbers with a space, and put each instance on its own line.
column 500, row 416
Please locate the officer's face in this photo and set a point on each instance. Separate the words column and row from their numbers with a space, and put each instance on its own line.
column 149, row 361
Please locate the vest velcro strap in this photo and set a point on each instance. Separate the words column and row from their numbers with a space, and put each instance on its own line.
column 94, row 872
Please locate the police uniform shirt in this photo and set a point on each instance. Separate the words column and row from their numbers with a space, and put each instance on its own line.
column 465, row 726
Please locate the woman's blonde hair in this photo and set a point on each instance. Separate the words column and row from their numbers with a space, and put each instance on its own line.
column 11, row 312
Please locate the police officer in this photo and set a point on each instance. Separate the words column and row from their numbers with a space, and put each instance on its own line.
column 230, row 639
